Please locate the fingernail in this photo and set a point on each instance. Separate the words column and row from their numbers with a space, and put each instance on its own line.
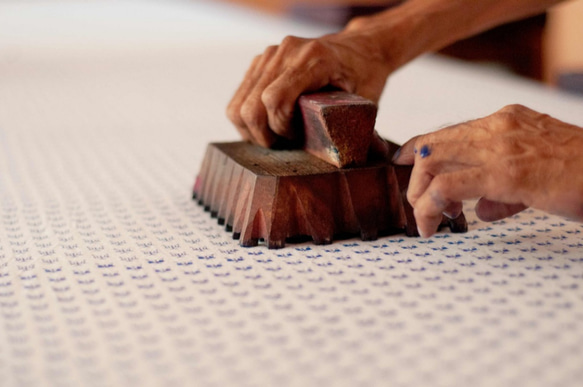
column 452, row 215
column 396, row 154
column 425, row 151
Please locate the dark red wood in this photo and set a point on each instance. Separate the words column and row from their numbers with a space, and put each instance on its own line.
column 338, row 127
column 275, row 196
column 326, row 190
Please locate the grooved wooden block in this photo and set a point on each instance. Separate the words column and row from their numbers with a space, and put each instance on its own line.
column 338, row 127
column 276, row 196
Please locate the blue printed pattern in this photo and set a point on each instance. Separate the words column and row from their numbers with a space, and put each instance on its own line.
column 111, row 275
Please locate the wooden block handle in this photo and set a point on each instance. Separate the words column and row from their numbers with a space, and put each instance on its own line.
column 338, row 126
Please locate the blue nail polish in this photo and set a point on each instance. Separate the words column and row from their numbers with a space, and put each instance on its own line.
column 425, row 151
column 415, row 150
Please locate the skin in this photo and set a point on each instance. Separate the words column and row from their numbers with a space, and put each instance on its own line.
column 509, row 159
column 358, row 59
column 513, row 159
column 263, row 106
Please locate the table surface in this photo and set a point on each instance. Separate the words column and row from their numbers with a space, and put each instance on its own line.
column 110, row 275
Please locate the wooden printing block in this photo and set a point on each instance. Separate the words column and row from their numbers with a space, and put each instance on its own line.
column 279, row 195
column 282, row 195
column 338, row 126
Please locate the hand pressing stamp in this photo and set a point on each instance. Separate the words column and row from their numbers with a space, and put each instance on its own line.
column 329, row 189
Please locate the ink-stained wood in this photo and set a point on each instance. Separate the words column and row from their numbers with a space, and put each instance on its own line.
column 338, row 127
column 280, row 195
column 328, row 189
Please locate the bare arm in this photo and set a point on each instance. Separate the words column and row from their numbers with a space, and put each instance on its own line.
column 358, row 59
column 420, row 26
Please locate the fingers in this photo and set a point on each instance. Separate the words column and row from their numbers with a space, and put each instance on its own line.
column 445, row 193
column 455, row 134
column 262, row 109
column 279, row 98
column 421, row 179
column 242, row 113
column 253, row 111
column 490, row 211
column 263, row 106
column 511, row 159
column 405, row 155
column 234, row 107
column 453, row 210
column 436, row 158
column 447, row 171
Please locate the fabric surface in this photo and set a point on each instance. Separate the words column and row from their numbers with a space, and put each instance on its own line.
column 110, row 275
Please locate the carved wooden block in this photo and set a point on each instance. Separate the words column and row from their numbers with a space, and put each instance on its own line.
column 282, row 195
column 277, row 196
column 338, row 126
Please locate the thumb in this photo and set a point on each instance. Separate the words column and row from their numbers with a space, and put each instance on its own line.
column 405, row 155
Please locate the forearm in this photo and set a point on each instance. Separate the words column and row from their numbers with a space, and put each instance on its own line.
column 357, row 59
column 420, row 26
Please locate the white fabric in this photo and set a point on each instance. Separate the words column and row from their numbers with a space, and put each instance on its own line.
column 111, row 276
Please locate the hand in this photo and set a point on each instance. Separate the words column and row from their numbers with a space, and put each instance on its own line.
column 510, row 160
column 358, row 59
column 263, row 106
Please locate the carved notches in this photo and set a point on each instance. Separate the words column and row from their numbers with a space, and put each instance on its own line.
column 274, row 196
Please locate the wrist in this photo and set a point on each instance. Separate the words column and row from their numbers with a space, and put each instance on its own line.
column 384, row 35
column 419, row 26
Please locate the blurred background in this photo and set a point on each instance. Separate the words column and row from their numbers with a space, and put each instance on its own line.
column 546, row 47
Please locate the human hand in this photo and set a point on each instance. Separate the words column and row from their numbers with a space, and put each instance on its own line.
column 510, row 160
column 263, row 106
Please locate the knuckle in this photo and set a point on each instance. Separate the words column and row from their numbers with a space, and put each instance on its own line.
column 506, row 120
column 440, row 191
column 412, row 197
column 272, row 99
column 256, row 60
column 276, row 108
column 275, row 99
column 424, row 161
column 233, row 113
column 514, row 109
column 510, row 117
column 357, row 23
column 269, row 52
column 291, row 41
column 250, row 114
